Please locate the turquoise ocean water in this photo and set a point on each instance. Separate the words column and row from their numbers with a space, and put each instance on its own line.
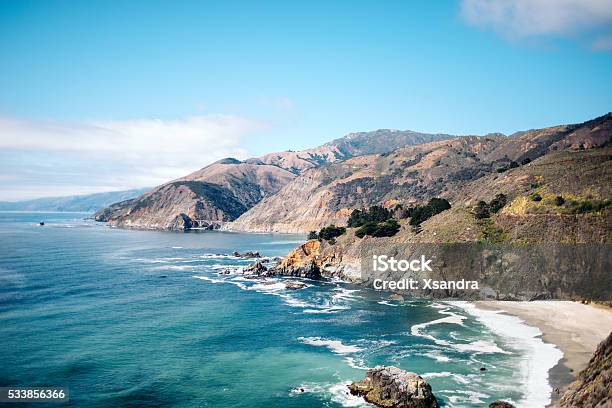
column 143, row 319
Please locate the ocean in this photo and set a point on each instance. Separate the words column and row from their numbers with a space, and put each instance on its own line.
column 145, row 319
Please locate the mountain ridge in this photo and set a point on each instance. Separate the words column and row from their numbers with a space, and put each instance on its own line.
column 191, row 201
column 410, row 175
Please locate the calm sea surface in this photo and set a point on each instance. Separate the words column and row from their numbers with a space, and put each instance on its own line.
column 144, row 319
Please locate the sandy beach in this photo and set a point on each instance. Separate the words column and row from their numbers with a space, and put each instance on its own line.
column 576, row 329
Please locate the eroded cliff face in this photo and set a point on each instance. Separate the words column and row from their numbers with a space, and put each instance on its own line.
column 537, row 243
column 327, row 194
column 593, row 388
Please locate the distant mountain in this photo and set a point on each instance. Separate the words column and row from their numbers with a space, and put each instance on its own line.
column 203, row 199
column 78, row 203
column 226, row 189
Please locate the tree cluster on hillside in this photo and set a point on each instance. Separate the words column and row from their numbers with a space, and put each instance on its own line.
column 374, row 214
column 380, row 222
column 483, row 210
column 376, row 221
column 379, row 229
column 329, row 233
column 422, row 213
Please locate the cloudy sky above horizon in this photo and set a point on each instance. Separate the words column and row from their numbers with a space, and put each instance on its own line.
column 109, row 95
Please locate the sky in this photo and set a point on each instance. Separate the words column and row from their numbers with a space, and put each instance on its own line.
column 110, row 95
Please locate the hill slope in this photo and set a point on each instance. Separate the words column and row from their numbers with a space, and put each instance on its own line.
column 224, row 190
column 409, row 175
column 217, row 193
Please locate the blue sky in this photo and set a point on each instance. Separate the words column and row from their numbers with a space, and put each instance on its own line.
column 246, row 78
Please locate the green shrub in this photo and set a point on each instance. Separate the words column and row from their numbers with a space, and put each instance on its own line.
column 313, row 235
column 421, row 213
column 559, row 201
column 513, row 165
column 481, row 210
column 498, row 203
column 525, row 161
column 589, row 206
column 330, row 232
column 373, row 214
column 381, row 229
column 536, row 197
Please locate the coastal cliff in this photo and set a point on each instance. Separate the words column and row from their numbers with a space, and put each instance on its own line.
column 593, row 388
column 537, row 240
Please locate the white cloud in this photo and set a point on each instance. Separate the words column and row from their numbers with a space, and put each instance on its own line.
column 41, row 158
column 517, row 19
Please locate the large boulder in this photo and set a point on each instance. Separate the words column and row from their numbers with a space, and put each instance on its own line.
column 593, row 387
column 392, row 387
column 304, row 261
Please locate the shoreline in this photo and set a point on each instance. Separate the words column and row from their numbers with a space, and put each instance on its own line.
column 572, row 327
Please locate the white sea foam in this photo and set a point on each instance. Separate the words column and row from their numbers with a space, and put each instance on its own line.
column 540, row 357
column 269, row 287
column 177, row 247
column 478, row 346
column 337, row 393
column 461, row 379
column 217, row 256
column 387, row 303
column 438, row 356
column 336, row 346
column 326, row 310
column 344, row 294
column 471, row 397
column 177, row 267
column 220, row 280
column 208, row 279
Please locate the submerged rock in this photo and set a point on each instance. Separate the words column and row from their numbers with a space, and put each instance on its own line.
column 248, row 254
column 392, row 387
column 294, row 285
column 257, row 268
column 500, row 404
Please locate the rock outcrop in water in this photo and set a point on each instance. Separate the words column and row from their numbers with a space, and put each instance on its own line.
column 391, row 387
column 304, row 261
column 593, row 388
